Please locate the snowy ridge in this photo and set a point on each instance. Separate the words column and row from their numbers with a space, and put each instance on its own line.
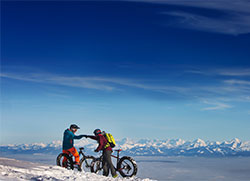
column 11, row 169
column 146, row 147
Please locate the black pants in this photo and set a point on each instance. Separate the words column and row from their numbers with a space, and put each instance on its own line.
column 107, row 163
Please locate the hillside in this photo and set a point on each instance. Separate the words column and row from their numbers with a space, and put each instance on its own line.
column 11, row 169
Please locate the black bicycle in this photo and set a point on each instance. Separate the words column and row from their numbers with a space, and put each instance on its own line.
column 125, row 165
column 66, row 160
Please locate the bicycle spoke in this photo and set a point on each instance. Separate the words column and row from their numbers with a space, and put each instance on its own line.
column 86, row 164
column 97, row 167
column 127, row 167
column 63, row 161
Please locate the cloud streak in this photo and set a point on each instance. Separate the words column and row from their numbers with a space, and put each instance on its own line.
column 224, row 88
column 233, row 82
column 239, row 24
column 236, row 72
column 81, row 82
column 236, row 19
column 98, row 83
column 214, row 105
column 238, row 82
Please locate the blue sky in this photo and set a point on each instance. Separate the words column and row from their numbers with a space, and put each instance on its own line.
column 138, row 69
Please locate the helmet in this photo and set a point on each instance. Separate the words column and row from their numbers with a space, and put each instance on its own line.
column 74, row 126
column 97, row 131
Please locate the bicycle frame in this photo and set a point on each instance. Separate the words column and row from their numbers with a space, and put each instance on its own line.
column 125, row 165
column 66, row 160
column 117, row 158
column 80, row 153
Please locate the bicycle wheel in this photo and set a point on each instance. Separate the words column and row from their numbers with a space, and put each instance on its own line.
column 64, row 160
column 96, row 167
column 127, row 167
column 85, row 163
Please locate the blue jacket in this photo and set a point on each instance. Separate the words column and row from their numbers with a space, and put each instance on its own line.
column 68, row 139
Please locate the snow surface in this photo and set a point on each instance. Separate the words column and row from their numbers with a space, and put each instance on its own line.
column 160, row 168
column 12, row 169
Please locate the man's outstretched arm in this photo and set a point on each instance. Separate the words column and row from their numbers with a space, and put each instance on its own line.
column 79, row 137
column 91, row 137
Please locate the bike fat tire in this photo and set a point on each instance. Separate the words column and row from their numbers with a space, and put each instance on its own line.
column 125, row 161
column 86, row 163
column 96, row 167
column 60, row 156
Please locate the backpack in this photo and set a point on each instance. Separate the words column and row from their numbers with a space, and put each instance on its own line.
column 111, row 141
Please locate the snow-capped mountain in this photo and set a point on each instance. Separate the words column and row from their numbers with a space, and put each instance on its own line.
column 179, row 147
column 146, row 147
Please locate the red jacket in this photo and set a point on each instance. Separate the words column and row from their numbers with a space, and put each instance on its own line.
column 102, row 142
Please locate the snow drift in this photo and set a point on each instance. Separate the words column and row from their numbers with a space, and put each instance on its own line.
column 11, row 169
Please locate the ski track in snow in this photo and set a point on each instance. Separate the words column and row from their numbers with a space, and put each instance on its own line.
column 16, row 170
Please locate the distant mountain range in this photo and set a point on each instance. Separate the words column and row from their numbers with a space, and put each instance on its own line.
column 144, row 147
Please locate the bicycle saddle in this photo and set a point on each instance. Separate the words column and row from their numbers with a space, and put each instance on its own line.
column 119, row 150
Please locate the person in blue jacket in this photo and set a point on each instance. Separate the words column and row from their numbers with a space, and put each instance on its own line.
column 68, row 143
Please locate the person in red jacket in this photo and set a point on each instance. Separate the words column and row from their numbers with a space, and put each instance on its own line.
column 107, row 150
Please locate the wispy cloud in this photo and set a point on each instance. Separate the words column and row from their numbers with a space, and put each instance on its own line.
column 239, row 82
column 98, row 83
column 236, row 19
column 230, row 82
column 239, row 5
column 83, row 82
column 238, row 24
column 215, row 105
column 233, row 72
column 236, row 90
